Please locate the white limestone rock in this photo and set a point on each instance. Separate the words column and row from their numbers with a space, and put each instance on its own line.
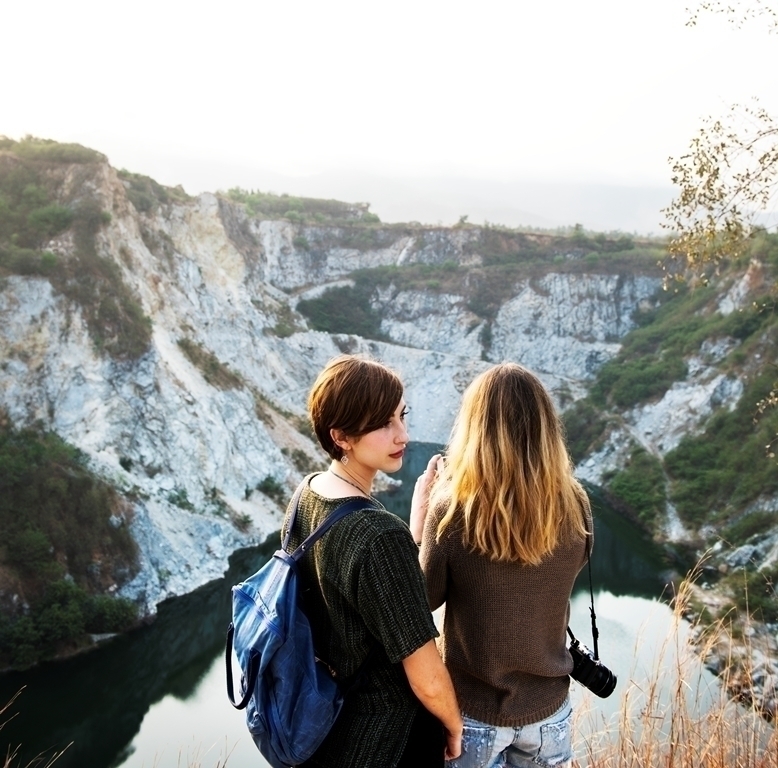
column 568, row 325
column 683, row 410
column 426, row 320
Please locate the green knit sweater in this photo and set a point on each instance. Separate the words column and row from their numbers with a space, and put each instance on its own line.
column 362, row 588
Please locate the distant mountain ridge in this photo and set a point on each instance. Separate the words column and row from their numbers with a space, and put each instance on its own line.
column 431, row 199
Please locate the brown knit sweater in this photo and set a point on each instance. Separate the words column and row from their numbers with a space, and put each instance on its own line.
column 504, row 640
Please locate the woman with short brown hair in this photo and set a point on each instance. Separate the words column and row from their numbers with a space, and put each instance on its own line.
column 365, row 595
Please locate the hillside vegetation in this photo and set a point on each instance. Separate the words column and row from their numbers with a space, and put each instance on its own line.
column 43, row 201
column 300, row 210
column 64, row 545
column 726, row 466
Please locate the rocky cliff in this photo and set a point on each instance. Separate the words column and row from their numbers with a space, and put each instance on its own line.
column 202, row 429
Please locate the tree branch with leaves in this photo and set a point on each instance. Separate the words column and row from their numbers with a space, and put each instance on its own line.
column 727, row 185
column 728, row 180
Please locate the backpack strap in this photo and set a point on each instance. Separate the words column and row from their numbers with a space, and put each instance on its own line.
column 353, row 505
column 293, row 517
column 251, row 672
column 337, row 514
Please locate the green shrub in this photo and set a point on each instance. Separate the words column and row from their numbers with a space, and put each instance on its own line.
column 28, row 214
column 629, row 382
column 765, row 247
column 344, row 309
column 490, row 289
column 25, row 261
column 641, row 486
column 59, row 616
column 55, row 517
column 215, row 372
column 300, row 209
column 180, row 498
column 486, row 337
column 741, row 530
column 115, row 319
column 653, row 355
column 272, row 488
column 29, row 217
column 20, row 642
column 52, row 511
column 243, row 522
column 125, row 463
column 109, row 614
column 147, row 195
column 725, row 467
column 286, row 322
column 48, row 261
column 584, row 424
column 753, row 592
column 28, row 550
column 49, row 220
column 49, row 151
column 302, row 462
column 59, row 620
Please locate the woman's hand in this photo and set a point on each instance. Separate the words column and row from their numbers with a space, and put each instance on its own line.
column 453, row 745
column 421, row 496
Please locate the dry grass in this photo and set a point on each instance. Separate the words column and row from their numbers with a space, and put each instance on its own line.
column 197, row 757
column 10, row 759
column 674, row 718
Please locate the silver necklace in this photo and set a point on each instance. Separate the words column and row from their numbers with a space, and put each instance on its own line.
column 340, row 477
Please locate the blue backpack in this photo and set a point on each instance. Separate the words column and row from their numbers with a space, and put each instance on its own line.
column 290, row 697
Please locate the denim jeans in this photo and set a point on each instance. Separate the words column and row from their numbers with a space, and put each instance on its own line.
column 547, row 743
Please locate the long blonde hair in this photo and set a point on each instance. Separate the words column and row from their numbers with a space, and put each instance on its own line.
column 508, row 480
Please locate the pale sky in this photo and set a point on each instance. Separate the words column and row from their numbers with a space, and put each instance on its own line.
column 250, row 93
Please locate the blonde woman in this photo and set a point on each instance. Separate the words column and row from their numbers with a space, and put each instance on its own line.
column 501, row 546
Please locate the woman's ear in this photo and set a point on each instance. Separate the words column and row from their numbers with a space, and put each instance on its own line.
column 340, row 439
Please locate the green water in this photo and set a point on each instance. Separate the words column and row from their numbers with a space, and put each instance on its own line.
column 156, row 696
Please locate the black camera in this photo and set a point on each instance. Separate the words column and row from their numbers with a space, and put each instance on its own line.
column 591, row 672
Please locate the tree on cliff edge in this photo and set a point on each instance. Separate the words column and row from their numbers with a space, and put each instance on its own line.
column 728, row 180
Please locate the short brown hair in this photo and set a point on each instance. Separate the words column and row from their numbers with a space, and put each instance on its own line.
column 352, row 394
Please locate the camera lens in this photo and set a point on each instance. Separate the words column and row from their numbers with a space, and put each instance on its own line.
column 603, row 681
column 592, row 674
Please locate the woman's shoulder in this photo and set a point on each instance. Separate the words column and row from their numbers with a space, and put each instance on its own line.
column 368, row 521
column 375, row 521
column 437, row 512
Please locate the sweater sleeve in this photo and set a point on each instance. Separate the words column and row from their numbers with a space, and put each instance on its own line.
column 391, row 595
column 433, row 560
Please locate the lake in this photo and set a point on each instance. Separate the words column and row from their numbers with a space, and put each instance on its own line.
column 156, row 698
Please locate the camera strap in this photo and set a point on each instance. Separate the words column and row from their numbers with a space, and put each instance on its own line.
column 595, row 631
